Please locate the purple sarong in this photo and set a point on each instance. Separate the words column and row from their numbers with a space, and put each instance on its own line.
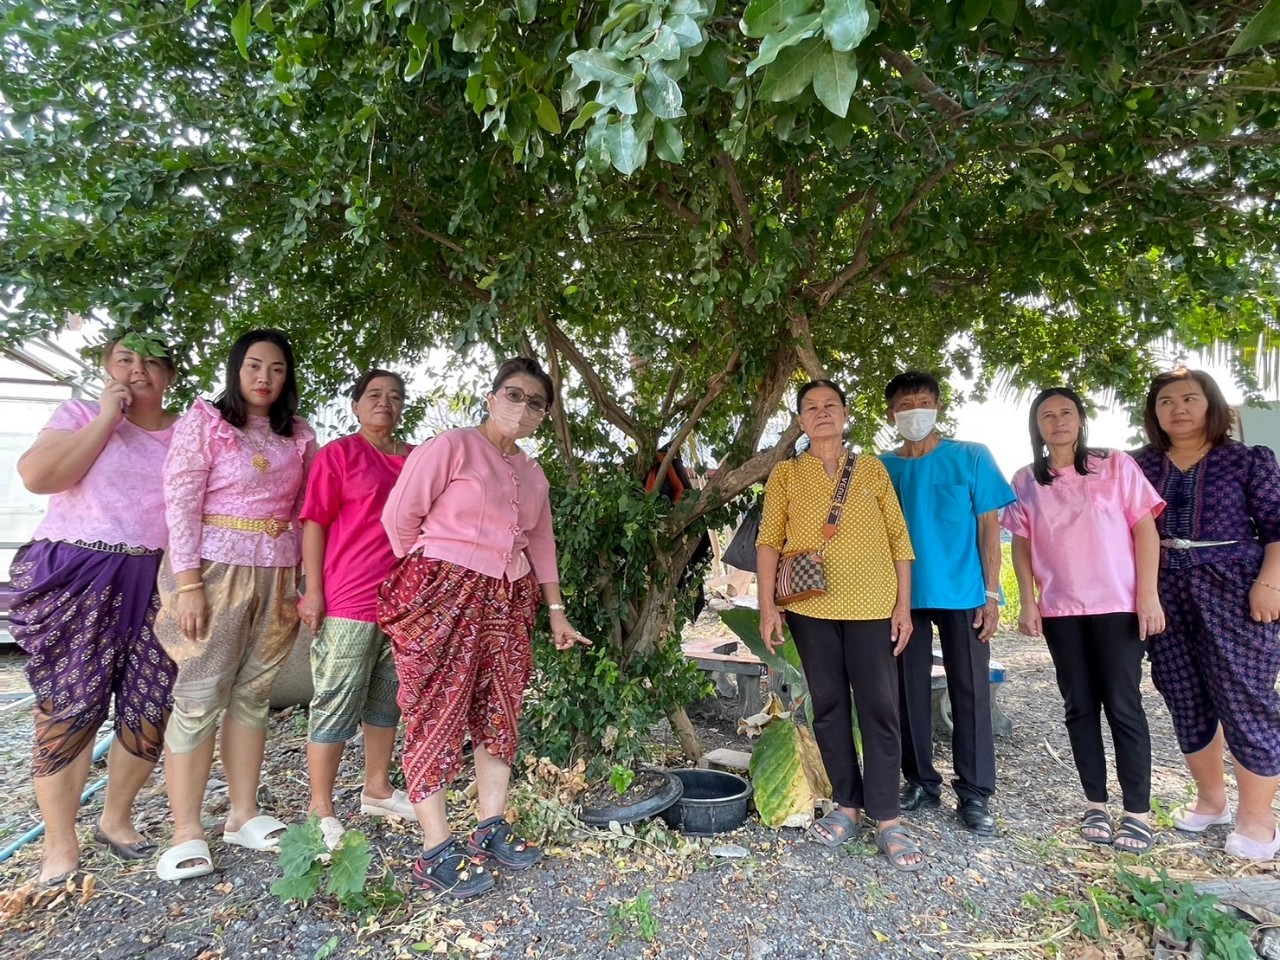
column 84, row 617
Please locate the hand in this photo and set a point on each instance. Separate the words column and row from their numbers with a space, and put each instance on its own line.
column 114, row 401
column 193, row 614
column 900, row 628
column 1151, row 616
column 562, row 633
column 311, row 610
column 771, row 627
column 1029, row 622
column 986, row 618
column 1264, row 603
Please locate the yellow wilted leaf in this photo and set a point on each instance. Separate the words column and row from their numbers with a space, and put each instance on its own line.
column 879, row 936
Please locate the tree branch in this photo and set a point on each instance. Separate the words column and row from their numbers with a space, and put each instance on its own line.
column 744, row 232
column 675, row 206
column 860, row 254
column 405, row 216
column 715, row 387
column 601, row 394
column 559, row 421
column 920, row 81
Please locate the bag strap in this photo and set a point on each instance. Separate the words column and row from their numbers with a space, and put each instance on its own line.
column 837, row 503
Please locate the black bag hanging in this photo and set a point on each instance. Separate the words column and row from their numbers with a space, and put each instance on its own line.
column 741, row 552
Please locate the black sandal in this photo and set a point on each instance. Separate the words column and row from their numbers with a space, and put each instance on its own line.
column 1137, row 832
column 495, row 839
column 448, row 870
column 1100, row 821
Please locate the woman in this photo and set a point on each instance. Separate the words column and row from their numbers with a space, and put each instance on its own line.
column 233, row 487
column 1217, row 661
column 470, row 519
column 86, row 599
column 346, row 556
column 849, row 637
column 1084, row 533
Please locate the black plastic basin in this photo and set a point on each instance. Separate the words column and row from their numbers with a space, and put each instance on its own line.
column 713, row 802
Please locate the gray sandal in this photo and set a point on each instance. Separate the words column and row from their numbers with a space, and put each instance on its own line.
column 896, row 836
column 839, row 827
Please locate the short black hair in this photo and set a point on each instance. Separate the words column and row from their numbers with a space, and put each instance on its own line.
column 232, row 403
column 361, row 385
column 912, row 381
column 814, row 385
column 530, row 368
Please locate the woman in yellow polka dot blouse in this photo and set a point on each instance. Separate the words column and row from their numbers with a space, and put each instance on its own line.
column 848, row 638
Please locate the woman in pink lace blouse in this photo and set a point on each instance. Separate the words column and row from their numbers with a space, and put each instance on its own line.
column 233, row 485
column 86, row 599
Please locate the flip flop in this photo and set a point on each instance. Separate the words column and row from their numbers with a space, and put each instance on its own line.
column 138, row 850
column 839, row 827
column 167, row 867
column 260, row 833
column 1099, row 820
column 1137, row 832
column 60, row 881
column 1185, row 818
column 896, row 836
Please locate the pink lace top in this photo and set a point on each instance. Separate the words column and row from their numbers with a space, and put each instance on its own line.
column 210, row 472
column 120, row 500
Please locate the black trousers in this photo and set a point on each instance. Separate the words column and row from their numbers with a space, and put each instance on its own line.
column 848, row 664
column 1098, row 659
column 967, row 661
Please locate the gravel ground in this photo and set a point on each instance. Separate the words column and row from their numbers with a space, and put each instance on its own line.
column 655, row 897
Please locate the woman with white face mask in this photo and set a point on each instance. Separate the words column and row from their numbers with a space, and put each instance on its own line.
column 470, row 520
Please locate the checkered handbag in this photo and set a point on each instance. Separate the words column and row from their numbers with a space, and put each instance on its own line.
column 802, row 575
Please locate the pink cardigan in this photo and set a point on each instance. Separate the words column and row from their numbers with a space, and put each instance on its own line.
column 462, row 500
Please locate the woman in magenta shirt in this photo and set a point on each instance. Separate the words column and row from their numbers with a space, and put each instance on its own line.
column 471, row 521
column 1084, row 537
column 346, row 556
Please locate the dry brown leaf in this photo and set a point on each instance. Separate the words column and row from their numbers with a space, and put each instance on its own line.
column 13, row 902
column 86, row 892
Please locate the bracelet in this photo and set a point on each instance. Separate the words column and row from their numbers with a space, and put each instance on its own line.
column 190, row 587
column 993, row 595
column 1269, row 586
column 555, row 606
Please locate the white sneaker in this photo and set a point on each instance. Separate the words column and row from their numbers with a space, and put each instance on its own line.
column 396, row 806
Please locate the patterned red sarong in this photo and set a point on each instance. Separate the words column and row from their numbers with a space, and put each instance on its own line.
column 463, row 649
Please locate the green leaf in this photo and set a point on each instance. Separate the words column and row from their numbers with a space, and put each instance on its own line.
column 350, row 864
column 548, row 119
column 1262, row 29
column 788, row 77
column 667, row 142
column 303, row 887
column 1005, row 11
column 625, row 148
column 262, row 19
column 621, row 16
column 301, row 847
column 662, row 94
column 975, row 11
column 786, row 774
column 240, row 25
column 526, row 10
column 418, row 36
column 801, row 28
column 835, row 78
column 602, row 67
column 589, row 110
column 846, row 23
column 763, row 17
column 325, row 950
column 417, row 61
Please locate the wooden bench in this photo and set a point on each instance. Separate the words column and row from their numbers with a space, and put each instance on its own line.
column 728, row 656
column 942, row 725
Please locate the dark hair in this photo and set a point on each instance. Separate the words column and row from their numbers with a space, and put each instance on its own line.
column 1040, row 450
column 154, row 343
column 912, row 381
column 362, row 384
column 232, row 403
column 530, row 368
column 814, row 385
column 1218, row 418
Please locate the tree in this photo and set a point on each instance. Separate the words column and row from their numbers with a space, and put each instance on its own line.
column 682, row 205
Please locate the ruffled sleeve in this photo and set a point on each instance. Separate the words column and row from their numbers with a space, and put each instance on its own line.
column 186, row 477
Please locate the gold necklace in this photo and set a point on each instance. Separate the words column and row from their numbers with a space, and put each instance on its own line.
column 259, row 460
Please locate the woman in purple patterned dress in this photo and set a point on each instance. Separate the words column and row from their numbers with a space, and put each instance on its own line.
column 87, row 599
column 1217, row 661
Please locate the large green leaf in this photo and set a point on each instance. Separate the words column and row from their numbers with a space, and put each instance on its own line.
column 846, row 23
column 835, row 78
column 763, row 17
column 667, row 142
column 661, row 93
column 241, row 24
column 626, row 150
column 1261, row 30
column 787, row 775
column 789, row 75
column 600, row 66
column 800, row 28
column 745, row 623
column 350, row 864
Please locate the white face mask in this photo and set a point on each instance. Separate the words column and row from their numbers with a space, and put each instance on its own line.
column 915, row 425
column 514, row 420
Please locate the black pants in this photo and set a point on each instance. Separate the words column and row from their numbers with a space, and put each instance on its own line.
column 1099, row 663
column 967, row 661
column 840, row 656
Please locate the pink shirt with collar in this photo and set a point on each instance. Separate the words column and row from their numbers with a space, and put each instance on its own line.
column 210, row 471
column 462, row 500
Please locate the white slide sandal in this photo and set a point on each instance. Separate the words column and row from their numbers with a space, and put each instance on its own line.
column 260, row 833
column 167, row 867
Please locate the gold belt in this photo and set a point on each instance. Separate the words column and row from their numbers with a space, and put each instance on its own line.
column 271, row 526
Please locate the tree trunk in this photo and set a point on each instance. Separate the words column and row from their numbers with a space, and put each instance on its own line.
column 685, row 733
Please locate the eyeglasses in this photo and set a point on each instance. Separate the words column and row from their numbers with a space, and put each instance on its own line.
column 531, row 400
